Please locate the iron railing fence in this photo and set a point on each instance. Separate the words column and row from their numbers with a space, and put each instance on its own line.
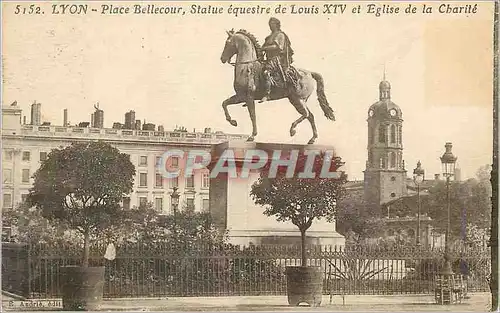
column 156, row 270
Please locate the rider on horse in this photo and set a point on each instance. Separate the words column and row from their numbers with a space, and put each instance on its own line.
column 278, row 57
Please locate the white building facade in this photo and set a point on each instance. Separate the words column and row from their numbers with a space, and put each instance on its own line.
column 25, row 146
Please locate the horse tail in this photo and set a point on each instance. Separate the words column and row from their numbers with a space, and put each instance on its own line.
column 323, row 102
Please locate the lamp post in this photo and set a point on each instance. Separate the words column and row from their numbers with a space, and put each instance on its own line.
column 418, row 178
column 448, row 162
column 175, row 204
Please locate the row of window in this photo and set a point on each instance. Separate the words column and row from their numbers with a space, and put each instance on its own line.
column 7, row 200
column 143, row 161
column 143, row 179
column 142, row 200
column 382, row 162
column 382, row 134
column 174, row 182
column 159, row 204
column 26, row 155
column 8, row 179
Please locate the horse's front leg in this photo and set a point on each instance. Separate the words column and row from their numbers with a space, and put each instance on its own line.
column 251, row 110
column 230, row 101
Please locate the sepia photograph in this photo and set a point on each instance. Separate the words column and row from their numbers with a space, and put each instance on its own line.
column 249, row 156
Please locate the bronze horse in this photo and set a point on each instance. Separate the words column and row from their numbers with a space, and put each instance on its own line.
column 248, row 85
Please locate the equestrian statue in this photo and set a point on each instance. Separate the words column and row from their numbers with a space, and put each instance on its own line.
column 266, row 73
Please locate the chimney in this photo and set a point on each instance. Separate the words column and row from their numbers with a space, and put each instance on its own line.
column 36, row 113
column 129, row 120
column 437, row 176
column 98, row 118
column 138, row 124
column 65, row 118
column 161, row 128
column 92, row 120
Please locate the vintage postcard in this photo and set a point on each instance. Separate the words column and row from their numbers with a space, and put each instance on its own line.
column 249, row 155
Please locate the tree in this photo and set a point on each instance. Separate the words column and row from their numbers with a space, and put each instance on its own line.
column 82, row 186
column 355, row 215
column 297, row 199
column 187, row 228
column 29, row 226
column 469, row 204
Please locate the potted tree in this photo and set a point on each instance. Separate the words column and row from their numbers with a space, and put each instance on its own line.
column 82, row 186
column 301, row 200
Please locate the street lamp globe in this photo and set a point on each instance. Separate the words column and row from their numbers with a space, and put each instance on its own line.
column 175, row 196
column 448, row 161
column 418, row 174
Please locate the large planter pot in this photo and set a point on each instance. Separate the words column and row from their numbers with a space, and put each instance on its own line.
column 304, row 284
column 82, row 288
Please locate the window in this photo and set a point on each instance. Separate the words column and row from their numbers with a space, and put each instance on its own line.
column 393, row 134
column 206, row 205
column 205, row 183
column 7, row 200
column 392, row 159
column 159, row 180
column 126, row 203
column 26, row 156
column 399, row 134
column 390, row 232
column 381, row 134
column 393, row 178
column 159, row 204
column 7, row 176
column 43, row 156
column 175, row 162
column 24, row 197
column 393, row 195
column 143, row 180
column 143, row 201
column 26, row 176
column 143, row 160
column 174, row 182
column 7, row 155
column 190, row 182
column 158, row 160
column 190, row 203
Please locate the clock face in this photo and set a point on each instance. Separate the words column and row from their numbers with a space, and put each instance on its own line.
column 393, row 112
column 370, row 112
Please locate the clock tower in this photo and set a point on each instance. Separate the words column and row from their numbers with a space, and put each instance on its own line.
column 385, row 174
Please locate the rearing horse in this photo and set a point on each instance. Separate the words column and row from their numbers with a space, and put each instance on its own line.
column 248, row 83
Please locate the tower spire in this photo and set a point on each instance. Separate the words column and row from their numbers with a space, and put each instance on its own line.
column 384, row 71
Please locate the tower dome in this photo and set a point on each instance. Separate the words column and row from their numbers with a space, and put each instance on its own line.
column 385, row 108
column 384, row 85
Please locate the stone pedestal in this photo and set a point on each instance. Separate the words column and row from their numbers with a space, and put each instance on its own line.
column 234, row 210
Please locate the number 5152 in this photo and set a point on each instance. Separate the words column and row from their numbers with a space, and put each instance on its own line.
column 32, row 9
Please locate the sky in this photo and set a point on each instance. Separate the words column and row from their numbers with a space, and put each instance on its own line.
column 167, row 69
